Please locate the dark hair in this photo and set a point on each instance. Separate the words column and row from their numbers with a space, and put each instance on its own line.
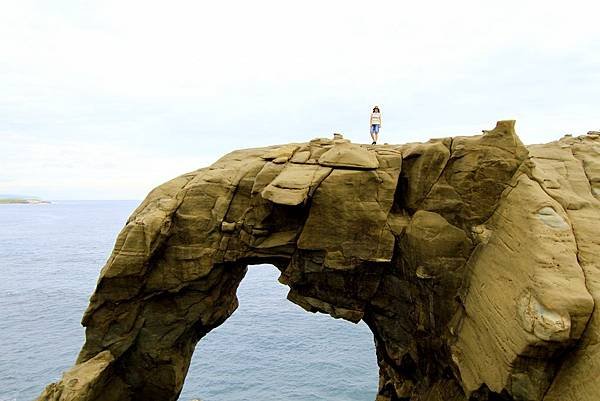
column 375, row 108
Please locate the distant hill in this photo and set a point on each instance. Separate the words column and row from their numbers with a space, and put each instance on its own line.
column 22, row 199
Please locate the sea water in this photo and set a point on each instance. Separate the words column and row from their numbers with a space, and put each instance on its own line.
column 269, row 349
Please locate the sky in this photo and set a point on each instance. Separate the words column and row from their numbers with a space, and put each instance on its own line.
column 108, row 99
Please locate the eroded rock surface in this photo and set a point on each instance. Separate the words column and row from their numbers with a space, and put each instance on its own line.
column 474, row 261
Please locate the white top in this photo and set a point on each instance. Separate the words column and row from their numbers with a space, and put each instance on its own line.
column 375, row 118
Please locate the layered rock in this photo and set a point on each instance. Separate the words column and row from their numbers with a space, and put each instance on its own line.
column 474, row 261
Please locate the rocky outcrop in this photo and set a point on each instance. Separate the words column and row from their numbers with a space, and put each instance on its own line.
column 474, row 261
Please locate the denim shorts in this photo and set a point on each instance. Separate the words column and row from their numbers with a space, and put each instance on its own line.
column 374, row 128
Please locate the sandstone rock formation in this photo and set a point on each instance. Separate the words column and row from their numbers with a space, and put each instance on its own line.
column 474, row 261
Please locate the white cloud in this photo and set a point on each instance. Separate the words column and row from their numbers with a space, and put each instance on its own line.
column 185, row 81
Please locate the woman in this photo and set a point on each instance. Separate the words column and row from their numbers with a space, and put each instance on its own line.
column 375, row 122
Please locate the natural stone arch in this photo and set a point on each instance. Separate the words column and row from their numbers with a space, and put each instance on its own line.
column 468, row 258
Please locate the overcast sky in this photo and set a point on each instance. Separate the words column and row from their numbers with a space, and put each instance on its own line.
column 107, row 99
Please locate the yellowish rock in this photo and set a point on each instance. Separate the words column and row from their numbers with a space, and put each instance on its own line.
column 474, row 261
column 345, row 154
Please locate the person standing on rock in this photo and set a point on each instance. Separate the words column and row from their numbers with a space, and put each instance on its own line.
column 375, row 122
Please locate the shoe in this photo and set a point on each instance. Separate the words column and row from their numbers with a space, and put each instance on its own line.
column 374, row 143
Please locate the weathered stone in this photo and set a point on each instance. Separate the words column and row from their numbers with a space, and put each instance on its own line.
column 503, row 344
column 281, row 154
column 294, row 184
column 479, row 168
column 474, row 261
column 85, row 381
column 348, row 215
column 345, row 154
column 423, row 166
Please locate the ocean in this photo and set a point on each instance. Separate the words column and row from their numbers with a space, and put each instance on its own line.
column 268, row 350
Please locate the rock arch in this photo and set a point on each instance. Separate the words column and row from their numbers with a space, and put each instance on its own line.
column 472, row 259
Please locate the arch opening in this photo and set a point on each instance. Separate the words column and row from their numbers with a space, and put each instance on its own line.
column 271, row 349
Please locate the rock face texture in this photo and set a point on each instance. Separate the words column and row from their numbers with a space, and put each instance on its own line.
column 475, row 261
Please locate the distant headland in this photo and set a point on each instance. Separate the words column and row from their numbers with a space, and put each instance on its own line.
column 6, row 199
